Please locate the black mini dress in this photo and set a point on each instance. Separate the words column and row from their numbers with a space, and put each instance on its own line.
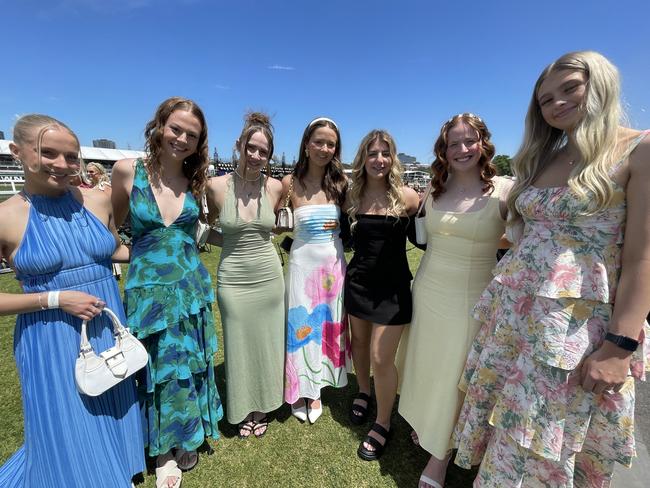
column 378, row 279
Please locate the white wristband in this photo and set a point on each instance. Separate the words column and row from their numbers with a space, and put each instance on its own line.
column 53, row 299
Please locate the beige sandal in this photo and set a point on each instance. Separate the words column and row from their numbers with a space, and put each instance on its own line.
column 167, row 470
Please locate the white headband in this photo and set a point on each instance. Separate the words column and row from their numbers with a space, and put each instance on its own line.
column 323, row 119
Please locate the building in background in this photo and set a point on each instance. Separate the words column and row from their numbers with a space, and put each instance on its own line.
column 104, row 143
column 2, row 135
column 405, row 159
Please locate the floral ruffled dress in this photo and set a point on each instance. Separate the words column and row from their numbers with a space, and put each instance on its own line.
column 525, row 416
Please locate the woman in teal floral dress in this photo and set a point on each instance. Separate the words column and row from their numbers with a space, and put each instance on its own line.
column 168, row 294
column 550, row 376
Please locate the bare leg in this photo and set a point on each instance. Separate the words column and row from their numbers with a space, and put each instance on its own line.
column 361, row 334
column 383, row 348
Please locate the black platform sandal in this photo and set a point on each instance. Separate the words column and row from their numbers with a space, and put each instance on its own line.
column 369, row 455
column 359, row 413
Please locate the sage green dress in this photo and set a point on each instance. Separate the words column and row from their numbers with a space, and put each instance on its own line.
column 250, row 294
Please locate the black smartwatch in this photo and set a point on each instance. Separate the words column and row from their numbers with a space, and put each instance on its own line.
column 622, row 341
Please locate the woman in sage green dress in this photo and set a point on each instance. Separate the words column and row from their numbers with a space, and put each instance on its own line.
column 250, row 285
column 168, row 293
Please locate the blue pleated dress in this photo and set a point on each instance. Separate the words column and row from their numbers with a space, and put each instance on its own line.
column 71, row 440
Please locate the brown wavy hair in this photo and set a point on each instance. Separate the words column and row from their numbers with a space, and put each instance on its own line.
column 440, row 166
column 255, row 122
column 195, row 166
column 334, row 182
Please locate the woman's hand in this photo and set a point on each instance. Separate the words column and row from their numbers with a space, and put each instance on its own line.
column 606, row 368
column 80, row 304
column 331, row 225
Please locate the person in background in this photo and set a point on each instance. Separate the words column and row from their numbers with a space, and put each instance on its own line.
column 98, row 176
column 250, row 285
column 59, row 240
column 550, row 376
column 378, row 280
column 465, row 222
column 318, row 354
column 168, row 293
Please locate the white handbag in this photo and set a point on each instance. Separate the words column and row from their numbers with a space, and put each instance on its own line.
column 202, row 229
column 420, row 229
column 284, row 219
column 95, row 374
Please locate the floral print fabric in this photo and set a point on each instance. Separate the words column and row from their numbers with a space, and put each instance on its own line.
column 547, row 308
column 318, row 350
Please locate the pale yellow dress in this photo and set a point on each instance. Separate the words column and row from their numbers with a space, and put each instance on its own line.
column 455, row 269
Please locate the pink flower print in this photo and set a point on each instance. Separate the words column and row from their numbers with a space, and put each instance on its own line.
column 331, row 346
column 290, row 380
column 523, row 305
column 610, row 402
column 324, row 283
column 564, row 275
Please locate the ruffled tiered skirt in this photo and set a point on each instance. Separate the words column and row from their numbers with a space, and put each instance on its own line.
column 177, row 390
column 525, row 410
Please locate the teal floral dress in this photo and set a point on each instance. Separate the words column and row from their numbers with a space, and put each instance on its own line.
column 168, row 300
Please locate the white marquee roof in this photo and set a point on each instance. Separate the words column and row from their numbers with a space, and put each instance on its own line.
column 90, row 153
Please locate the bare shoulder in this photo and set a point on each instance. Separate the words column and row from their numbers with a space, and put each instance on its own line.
column 640, row 156
column 275, row 185
column 219, row 182
column 411, row 198
column 124, row 167
column 286, row 180
column 12, row 208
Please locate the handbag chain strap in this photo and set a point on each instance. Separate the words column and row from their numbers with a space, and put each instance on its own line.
column 287, row 201
column 424, row 200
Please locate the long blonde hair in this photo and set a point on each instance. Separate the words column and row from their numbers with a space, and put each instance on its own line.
column 595, row 134
column 396, row 203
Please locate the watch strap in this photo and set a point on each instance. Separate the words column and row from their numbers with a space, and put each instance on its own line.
column 622, row 341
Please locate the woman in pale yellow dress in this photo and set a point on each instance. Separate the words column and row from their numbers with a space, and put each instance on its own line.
column 465, row 222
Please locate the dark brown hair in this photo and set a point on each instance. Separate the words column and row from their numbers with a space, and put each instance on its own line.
column 334, row 182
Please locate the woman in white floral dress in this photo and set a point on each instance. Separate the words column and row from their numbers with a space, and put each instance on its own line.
column 550, row 377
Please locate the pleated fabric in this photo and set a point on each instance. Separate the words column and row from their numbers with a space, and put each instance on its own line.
column 71, row 439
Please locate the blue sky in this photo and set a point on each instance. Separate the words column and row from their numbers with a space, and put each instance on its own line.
column 102, row 66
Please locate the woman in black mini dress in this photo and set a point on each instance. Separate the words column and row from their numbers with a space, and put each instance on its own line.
column 378, row 281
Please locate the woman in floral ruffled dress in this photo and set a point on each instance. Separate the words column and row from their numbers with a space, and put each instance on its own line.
column 318, row 352
column 550, row 377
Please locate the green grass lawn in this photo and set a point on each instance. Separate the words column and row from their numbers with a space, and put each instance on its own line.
column 291, row 453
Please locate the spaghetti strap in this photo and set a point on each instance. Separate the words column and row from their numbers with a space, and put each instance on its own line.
column 631, row 147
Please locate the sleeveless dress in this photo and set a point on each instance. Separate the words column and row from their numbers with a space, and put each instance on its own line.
column 71, row 440
column 318, row 349
column 168, row 299
column 250, row 291
column 525, row 415
column 378, row 279
column 455, row 269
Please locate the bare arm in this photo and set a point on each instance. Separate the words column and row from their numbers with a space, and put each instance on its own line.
column 77, row 303
column 609, row 364
column 121, row 184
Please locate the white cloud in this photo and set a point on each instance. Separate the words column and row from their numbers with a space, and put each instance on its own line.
column 279, row 67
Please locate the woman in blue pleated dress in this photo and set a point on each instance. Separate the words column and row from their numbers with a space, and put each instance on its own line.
column 168, row 293
column 59, row 240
